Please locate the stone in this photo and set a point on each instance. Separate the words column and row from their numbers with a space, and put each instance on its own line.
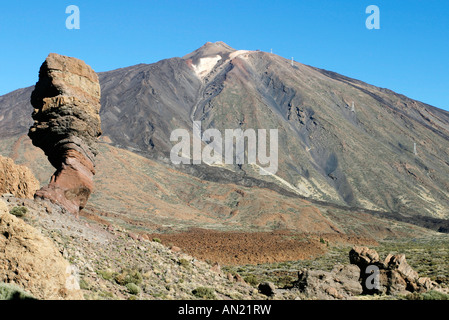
column 3, row 208
column 348, row 276
column 333, row 293
column 363, row 256
column 425, row 284
column 340, row 283
column 66, row 102
column 395, row 275
column 32, row 261
column 16, row 180
column 216, row 268
column 267, row 288
column 396, row 283
column 238, row 278
column 399, row 263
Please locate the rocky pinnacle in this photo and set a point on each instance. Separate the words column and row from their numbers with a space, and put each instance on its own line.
column 66, row 103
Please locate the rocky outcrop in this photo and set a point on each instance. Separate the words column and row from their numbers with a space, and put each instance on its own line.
column 32, row 262
column 17, row 180
column 391, row 276
column 342, row 282
column 267, row 288
column 66, row 103
column 366, row 274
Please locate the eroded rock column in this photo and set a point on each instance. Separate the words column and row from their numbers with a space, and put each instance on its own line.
column 66, row 103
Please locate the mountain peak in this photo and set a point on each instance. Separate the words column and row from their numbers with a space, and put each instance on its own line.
column 210, row 49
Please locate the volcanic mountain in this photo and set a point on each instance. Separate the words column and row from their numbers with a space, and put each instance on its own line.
column 344, row 145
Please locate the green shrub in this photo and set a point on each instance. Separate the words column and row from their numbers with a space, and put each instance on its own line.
column 185, row 263
column 157, row 240
column 133, row 288
column 129, row 276
column 430, row 295
column 12, row 292
column 106, row 274
column 204, row 293
column 252, row 280
column 84, row 285
column 19, row 211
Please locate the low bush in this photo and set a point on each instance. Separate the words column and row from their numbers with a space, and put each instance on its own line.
column 12, row 292
column 19, row 211
column 184, row 263
column 430, row 295
column 106, row 274
column 133, row 288
column 252, row 280
column 129, row 276
column 204, row 293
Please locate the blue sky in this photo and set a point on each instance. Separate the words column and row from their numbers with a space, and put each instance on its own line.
column 409, row 54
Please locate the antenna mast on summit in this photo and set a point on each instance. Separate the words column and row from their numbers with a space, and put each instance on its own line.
column 292, row 61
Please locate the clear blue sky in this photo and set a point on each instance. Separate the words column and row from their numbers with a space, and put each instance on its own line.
column 409, row 54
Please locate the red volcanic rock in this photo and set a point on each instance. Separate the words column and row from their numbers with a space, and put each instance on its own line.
column 66, row 126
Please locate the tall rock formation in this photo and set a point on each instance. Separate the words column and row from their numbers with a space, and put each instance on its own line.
column 66, row 103
column 17, row 180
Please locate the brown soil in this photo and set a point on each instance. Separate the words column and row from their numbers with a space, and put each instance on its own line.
column 239, row 248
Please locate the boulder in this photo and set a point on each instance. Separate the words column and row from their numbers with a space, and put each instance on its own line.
column 398, row 262
column 394, row 274
column 3, row 208
column 66, row 102
column 267, row 288
column 340, row 283
column 363, row 256
column 17, row 180
column 32, row 262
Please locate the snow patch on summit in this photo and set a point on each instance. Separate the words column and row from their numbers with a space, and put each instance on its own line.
column 238, row 53
column 205, row 65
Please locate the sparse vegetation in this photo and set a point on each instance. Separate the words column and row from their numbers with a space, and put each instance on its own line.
column 133, row 288
column 123, row 268
column 427, row 256
column 106, row 274
column 12, row 292
column 19, row 211
column 204, row 293
column 84, row 285
column 431, row 295
column 252, row 280
column 185, row 263
column 128, row 276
